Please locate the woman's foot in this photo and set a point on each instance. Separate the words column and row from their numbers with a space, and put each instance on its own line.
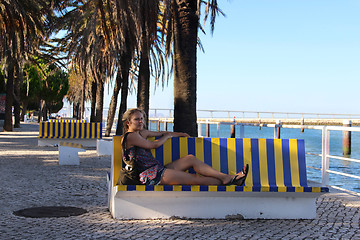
column 238, row 179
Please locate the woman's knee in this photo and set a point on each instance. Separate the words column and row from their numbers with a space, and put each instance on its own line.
column 172, row 176
column 191, row 157
column 184, row 163
column 190, row 160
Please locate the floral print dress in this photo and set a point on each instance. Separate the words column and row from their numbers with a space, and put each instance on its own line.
column 148, row 166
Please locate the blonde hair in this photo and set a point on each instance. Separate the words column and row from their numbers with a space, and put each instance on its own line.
column 127, row 115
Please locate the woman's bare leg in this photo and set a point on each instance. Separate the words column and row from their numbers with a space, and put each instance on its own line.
column 190, row 161
column 174, row 177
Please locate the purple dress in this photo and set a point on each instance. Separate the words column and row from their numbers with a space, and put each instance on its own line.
column 148, row 166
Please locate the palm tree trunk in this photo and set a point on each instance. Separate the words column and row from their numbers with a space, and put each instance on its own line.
column 76, row 110
column 185, row 42
column 93, row 101
column 40, row 112
column 2, row 83
column 125, row 67
column 143, row 94
column 82, row 99
column 43, row 112
column 113, row 104
column 123, row 106
column 9, row 94
column 99, row 100
column 17, row 80
column 24, row 110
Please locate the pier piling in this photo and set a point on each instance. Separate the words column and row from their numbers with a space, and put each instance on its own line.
column 158, row 125
column 302, row 124
column 277, row 129
column 346, row 139
column 232, row 131
column 259, row 124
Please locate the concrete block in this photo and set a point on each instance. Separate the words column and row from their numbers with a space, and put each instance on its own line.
column 68, row 153
column 104, row 147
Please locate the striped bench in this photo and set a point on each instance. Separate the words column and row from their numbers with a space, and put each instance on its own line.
column 276, row 186
column 51, row 133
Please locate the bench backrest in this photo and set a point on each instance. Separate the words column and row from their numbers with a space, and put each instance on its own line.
column 272, row 162
column 70, row 130
column 67, row 120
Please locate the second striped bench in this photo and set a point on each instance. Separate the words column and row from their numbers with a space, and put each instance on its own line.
column 51, row 133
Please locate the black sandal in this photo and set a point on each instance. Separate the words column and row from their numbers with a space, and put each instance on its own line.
column 240, row 181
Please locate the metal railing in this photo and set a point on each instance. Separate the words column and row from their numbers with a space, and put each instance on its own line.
column 168, row 113
column 325, row 151
column 230, row 114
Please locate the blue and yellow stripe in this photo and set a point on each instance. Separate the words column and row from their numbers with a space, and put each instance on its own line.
column 202, row 188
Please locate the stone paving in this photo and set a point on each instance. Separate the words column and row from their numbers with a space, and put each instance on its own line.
column 31, row 177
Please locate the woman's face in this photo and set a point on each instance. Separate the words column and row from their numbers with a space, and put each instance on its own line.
column 136, row 122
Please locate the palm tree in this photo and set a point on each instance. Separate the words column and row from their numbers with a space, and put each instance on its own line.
column 185, row 26
column 88, row 49
column 78, row 95
column 125, row 62
column 21, row 32
column 182, row 19
column 148, row 17
column 130, row 27
column 109, row 34
column 153, row 62
column 124, row 32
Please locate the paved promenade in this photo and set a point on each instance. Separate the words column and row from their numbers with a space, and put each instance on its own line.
column 31, row 177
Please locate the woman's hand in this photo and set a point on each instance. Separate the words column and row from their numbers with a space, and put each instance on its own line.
column 167, row 135
column 185, row 135
column 146, row 134
column 180, row 134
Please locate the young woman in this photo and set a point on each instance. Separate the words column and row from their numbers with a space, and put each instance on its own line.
column 154, row 173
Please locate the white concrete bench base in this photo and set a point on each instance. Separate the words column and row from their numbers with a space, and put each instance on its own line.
column 104, row 147
column 69, row 155
column 219, row 205
column 55, row 141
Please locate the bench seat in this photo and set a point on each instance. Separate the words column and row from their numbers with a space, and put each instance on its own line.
column 276, row 186
column 201, row 188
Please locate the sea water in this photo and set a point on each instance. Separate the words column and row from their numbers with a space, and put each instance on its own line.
column 313, row 144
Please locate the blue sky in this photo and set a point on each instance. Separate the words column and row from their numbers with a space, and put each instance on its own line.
column 278, row 55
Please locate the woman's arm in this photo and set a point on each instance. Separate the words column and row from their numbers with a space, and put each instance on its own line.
column 179, row 134
column 135, row 139
column 140, row 139
column 147, row 133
